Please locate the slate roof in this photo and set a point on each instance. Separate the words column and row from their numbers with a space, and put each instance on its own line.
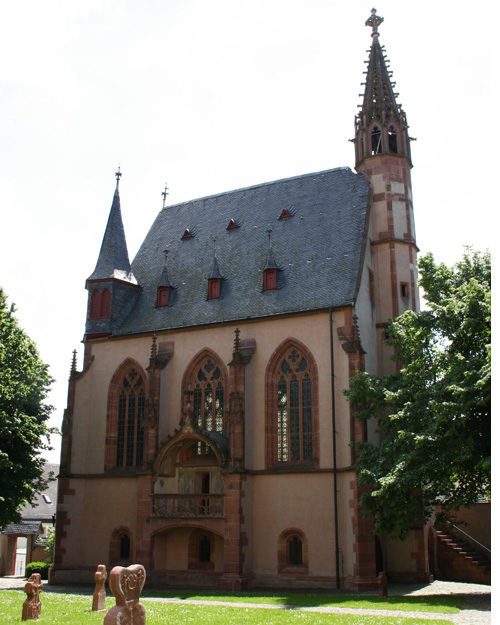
column 318, row 251
column 27, row 528
column 41, row 509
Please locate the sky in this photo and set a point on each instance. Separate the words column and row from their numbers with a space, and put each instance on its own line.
column 209, row 96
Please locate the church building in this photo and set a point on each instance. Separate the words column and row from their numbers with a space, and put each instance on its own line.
column 206, row 435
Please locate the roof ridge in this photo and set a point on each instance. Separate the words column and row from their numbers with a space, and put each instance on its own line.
column 259, row 186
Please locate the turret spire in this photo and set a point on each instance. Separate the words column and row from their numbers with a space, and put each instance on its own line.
column 113, row 261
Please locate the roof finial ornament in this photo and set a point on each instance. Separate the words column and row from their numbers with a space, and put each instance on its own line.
column 73, row 365
column 269, row 230
column 374, row 21
column 236, row 346
column 164, row 194
column 118, row 175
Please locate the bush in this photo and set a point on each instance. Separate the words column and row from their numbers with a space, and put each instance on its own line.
column 38, row 567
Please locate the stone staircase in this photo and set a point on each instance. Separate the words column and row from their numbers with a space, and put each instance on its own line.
column 458, row 560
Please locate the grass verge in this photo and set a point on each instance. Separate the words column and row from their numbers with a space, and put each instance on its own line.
column 66, row 609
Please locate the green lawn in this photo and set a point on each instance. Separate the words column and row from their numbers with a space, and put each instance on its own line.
column 447, row 604
column 65, row 609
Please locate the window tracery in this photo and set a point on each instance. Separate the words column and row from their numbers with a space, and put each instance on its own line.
column 130, row 432
column 292, row 407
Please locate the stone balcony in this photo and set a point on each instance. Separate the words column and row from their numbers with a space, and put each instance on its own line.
column 188, row 506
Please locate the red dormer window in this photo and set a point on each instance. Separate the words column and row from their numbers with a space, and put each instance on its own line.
column 285, row 214
column 162, row 296
column 214, row 288
column 187, row 234
column 232, row 225
column 270, row 282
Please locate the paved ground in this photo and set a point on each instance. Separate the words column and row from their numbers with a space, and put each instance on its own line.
column 476, row 611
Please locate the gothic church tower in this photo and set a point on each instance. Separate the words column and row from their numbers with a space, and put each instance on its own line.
column 382, row 147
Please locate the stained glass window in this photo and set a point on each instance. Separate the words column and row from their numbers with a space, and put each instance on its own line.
column 130, row 435
column 208, row 398
column 294, row 409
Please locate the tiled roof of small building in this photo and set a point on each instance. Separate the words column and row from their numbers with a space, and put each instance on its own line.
column 319, row 251
column 26, row 528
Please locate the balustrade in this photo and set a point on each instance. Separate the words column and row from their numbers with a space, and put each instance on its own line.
column 188, row 506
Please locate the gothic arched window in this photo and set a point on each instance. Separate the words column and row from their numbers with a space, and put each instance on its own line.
column 292, row 407
column 207, row 384
column 131, row 405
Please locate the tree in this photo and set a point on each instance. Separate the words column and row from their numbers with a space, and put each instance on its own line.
column 24, row 433
column 434, row 413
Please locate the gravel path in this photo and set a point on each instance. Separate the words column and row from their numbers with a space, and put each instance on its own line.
column 476, row 611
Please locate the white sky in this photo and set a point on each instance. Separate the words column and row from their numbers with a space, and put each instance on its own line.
column 211, row 96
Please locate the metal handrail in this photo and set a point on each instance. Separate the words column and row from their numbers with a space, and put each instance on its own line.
column 483, row 547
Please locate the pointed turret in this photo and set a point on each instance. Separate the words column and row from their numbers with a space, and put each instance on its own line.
column 113, row 261
column 380, row 126
column 112, row 286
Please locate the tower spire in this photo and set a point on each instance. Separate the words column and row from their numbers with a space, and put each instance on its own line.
column 381, row 126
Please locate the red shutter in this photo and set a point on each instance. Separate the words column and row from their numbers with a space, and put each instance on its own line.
column 269, row 279
column 213, row 288
column 105, row 304
column 95, row 304
column 162, row 297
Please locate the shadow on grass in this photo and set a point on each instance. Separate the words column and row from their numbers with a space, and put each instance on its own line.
column 429, row 603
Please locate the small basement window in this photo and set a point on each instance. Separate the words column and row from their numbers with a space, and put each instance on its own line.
column 214, row 288
column 270, row 279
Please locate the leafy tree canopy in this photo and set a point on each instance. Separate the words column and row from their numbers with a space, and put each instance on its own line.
column 24, row 433
column 434, row 413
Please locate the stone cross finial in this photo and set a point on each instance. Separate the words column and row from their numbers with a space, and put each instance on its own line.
column 118, row 175
column 126, row 584
column 374, row 21
column 99, row 597
column 32, row 605
column 164, row 194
